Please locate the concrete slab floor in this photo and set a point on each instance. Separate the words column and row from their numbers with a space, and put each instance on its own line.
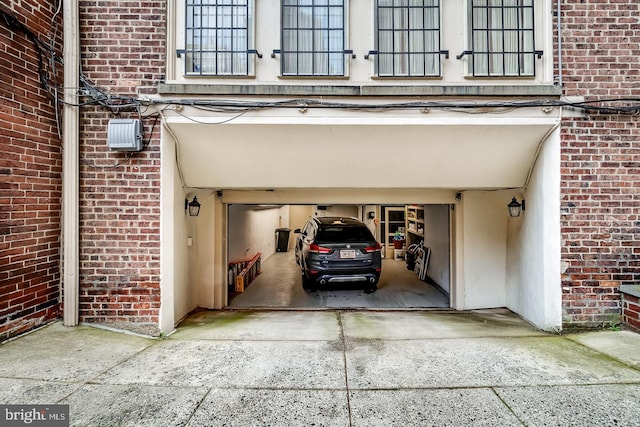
column 279, row 286
column 329, row 368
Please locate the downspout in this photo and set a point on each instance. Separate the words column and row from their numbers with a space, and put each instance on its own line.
column 70, row 165
column 559, row 26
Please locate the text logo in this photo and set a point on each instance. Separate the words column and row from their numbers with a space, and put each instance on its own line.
column 34, row 415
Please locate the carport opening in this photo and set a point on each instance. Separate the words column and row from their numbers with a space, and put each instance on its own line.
column 416, row 268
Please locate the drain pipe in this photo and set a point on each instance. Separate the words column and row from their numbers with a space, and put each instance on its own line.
column 559, row 29
column 70, row 165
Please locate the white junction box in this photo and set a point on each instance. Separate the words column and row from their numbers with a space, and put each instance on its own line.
column 125, row 135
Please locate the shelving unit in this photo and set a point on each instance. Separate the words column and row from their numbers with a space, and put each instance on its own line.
column 415, row 223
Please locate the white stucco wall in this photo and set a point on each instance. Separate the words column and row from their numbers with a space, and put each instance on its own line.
column 484, row 250
column 534, row 289
column 173, row 229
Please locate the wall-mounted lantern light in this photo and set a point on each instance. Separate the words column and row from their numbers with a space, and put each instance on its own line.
column 515, row 208
column 193, row 206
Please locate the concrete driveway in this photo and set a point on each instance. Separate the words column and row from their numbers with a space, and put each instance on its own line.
column 330, row 368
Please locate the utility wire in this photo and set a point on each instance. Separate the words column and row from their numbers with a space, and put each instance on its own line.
column 90, row 94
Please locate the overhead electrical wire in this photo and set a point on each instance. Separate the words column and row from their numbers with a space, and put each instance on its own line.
column 91, row 94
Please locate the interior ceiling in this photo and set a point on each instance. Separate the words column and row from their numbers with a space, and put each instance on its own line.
column 475, row 153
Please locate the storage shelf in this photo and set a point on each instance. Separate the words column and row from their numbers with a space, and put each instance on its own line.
column 415, row 223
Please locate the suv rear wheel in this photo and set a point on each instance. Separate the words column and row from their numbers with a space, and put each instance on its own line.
column 306, row 283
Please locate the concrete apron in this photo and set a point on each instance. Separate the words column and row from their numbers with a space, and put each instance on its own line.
column 334, row 368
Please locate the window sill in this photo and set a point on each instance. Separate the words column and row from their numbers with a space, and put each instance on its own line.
column 480, row 90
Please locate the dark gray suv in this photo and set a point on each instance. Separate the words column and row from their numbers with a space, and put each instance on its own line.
column 337, row 250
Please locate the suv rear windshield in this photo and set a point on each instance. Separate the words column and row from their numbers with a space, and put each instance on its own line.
column 339, row 234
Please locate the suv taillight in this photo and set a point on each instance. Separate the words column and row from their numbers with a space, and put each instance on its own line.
column 319, row 249
column 374, row 248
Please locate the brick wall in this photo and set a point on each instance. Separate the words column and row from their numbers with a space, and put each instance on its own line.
column 30, row 172
column 600, row 181
column 123, row 53
column 631, row 312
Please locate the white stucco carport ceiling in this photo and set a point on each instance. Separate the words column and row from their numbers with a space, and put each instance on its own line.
column 372, row 152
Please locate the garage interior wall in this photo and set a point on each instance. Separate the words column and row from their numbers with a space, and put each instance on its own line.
column 252, row 230
column 298, row 215
column 437, row 237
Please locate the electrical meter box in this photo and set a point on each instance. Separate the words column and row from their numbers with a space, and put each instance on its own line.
column 125, row 135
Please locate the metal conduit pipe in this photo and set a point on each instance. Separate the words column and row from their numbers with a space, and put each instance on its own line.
column 559, row 30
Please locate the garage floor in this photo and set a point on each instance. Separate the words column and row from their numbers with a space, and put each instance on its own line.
column 279, row 286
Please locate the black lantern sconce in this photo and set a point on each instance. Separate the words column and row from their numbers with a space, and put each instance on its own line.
column 193, row 206
column 515, row 208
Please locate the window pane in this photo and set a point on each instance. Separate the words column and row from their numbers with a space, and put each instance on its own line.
column 336, row 64
column 401, row 64
column 320, row 42
column 208, row 63
column 305, row 40
column 496, row 64
column 336, row 41
column 289, row 41
column 385, row 64
column 480, row 65
column 321, row 17
column 416, row 42
column 305, row 63
column 320, row 64
column 385, row 21
column 336, row 18
column 289, row 17
column 417, row 64
column 305, row 19
column 239, row 63
column 432, row 41
column 416, row 19
column 511, row 64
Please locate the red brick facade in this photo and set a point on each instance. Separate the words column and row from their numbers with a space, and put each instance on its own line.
column 631, row 312
column 123, row 54
column 600, row 163
column 30, row 169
